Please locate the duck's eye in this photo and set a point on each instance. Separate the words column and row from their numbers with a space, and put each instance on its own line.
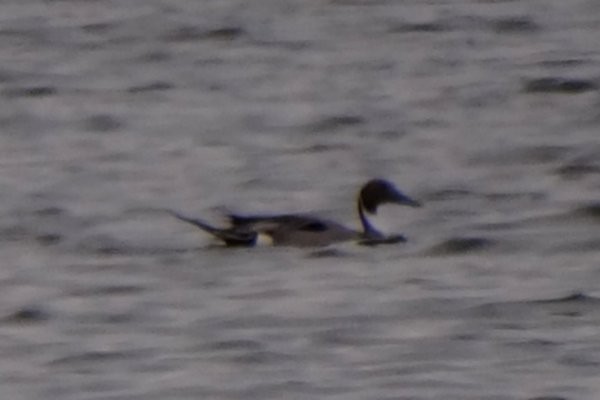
column 314, row 226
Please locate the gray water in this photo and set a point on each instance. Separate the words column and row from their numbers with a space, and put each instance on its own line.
column 487, row 111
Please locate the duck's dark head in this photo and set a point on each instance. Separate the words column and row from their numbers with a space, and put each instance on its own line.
column 373, row 194
column 377, row 192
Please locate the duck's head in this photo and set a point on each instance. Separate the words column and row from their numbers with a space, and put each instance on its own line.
column 377, row 192
column 373, row 194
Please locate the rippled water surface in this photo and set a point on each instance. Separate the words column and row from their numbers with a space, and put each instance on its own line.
column 487, row 111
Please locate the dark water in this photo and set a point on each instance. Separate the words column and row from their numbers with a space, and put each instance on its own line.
column 488, row 111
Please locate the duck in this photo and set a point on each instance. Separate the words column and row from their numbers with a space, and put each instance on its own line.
column 308, row 230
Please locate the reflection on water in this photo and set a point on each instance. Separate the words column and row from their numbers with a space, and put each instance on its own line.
column 487, row 111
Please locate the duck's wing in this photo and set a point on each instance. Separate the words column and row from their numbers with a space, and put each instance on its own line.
column 269, row 222
column 295, row 229
column 231, row 236
column 266, row 223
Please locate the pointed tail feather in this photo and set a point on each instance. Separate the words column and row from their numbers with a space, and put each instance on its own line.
column 195, row 221
column 229, row 236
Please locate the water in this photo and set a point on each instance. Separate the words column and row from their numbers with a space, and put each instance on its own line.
column 485, row 111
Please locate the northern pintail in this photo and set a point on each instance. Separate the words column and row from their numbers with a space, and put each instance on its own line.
column 305, row 230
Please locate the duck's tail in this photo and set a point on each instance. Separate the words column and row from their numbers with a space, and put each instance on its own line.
column 231, row 237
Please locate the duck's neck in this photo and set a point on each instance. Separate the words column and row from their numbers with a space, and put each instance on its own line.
column 369, row 231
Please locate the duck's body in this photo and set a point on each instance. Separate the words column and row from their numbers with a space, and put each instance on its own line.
column 305, row 230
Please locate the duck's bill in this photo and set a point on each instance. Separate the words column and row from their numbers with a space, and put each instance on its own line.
column 402, row 199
